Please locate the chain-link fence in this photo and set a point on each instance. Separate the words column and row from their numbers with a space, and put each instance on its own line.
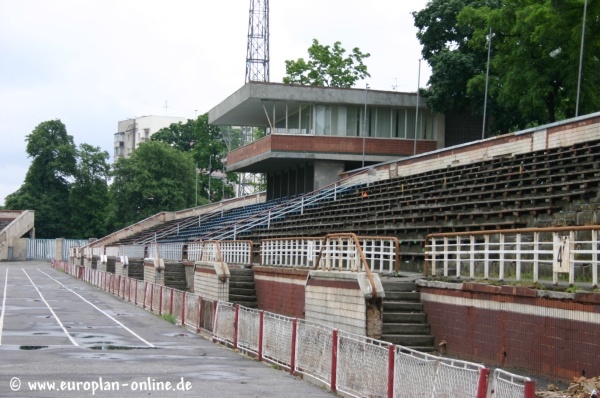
column 314, row 350
column 248, row 329
column 509, row 385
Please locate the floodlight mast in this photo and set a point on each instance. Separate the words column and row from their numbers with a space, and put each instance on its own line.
column 257, row 55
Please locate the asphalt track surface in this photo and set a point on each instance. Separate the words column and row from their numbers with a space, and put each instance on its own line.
column 57, row 329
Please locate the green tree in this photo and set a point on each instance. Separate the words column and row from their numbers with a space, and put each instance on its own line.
column 181, row 136
column 209, row 148
column 46, row 186
column 155, row 178
column 88, row 196
column 210, row 153
column 536, row 55
column 327, row 67
column 456, row 84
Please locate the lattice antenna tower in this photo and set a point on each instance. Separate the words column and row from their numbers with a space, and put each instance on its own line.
column 257, row 55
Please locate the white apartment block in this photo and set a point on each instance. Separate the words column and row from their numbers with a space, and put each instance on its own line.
column 132, row 132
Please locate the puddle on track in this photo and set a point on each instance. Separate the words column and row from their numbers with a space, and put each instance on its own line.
column 32, row 347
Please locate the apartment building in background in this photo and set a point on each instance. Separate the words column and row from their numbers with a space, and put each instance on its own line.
column 132, row 132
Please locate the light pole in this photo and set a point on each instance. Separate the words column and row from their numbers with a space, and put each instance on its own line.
column 581, row 58
column 487, row 79
column 417, row 116
column 365, row 126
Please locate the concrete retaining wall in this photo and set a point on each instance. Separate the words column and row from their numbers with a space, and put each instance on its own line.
column 211, row 280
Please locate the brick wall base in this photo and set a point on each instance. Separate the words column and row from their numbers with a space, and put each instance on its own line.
column 515, row 327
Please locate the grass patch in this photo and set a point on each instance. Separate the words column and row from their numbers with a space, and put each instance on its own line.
column 169, row 318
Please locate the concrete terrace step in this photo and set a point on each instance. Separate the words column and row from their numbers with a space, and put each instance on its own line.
column 398, row 306
column 400, row 286
column 399, row 317
column 240, row 285
column 408, row 340
column 406, row 328
column 242, row 292
column 402, row 296
column 237, row 298
column 241, row 278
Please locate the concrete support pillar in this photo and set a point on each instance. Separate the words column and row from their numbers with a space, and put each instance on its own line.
column 58, row 249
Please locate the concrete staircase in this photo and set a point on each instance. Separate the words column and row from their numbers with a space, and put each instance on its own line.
column 136, row 269
column 404, row 322
column 241, row 287
column 175, row 276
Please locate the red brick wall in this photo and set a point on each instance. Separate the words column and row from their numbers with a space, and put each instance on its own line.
column 542, row 345
column 329, row 144
column 280, row 290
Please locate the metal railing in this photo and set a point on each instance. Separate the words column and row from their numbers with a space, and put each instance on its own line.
column 381, row 254
column 296, row 205
column 516, row 253
column 356, row 365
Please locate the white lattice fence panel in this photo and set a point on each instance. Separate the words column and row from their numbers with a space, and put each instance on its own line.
column 132, row 251
column 225, row 322
column 277, row 338
column 314, row 345
column 341, row 253
column 112, row 251
column 248, row 329
column 290, row 252
column 195, row 251
column 362, row 368
column 236, row 252
column 210, row 252
column 167, row 251
column 380, row 253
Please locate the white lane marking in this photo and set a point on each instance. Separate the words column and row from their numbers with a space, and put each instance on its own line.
column 119, row 323
column 51, row 310
column 3, row 305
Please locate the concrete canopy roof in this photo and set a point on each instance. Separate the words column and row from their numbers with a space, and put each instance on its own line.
column 245, row 106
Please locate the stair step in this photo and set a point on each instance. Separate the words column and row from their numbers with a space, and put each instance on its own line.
column 241, row 271
column 400, row 317
column 402, row 307
column 242, row 292
column 241, row 285
column 247, row 304
column 399, row 287
column 402, row 296
column 236, row 298
column 242, row 278
column 409, row 339
column 406, row 328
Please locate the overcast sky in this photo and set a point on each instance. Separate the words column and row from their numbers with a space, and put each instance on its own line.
column 93, row 63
